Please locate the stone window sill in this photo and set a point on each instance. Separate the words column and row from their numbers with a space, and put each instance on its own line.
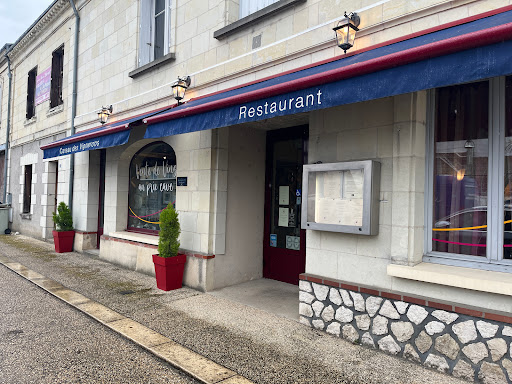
column 152, row 65
column 254, row 18
column 32, row 120
column 467, row 278
column 53, row 111
column 26, row 216
column 137, row 237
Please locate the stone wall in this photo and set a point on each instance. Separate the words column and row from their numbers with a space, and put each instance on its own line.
column 459, row 344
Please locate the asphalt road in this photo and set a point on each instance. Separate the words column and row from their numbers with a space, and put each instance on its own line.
column 43, row 340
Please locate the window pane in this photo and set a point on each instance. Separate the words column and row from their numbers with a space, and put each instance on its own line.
column 152, row 186
column 159, row 6
column 27, row 189
column 159, row 35
column 507, row 235
column 247, row 7
column 460, row 169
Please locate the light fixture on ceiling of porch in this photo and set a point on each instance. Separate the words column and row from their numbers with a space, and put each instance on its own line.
column 346, row 30
column 179, row 87
column 104, row 113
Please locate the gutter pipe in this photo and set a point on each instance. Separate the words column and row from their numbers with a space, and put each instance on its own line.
column 9, row 75
column 73, row 103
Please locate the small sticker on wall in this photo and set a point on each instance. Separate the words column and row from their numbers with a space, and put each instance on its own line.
column 273, row 240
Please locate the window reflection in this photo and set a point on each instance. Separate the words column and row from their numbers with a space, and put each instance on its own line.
column 460, row 169
column 507, row 234
column 152, row 186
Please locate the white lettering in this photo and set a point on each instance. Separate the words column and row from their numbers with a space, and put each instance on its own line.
column 283, row 105
column 243, row 109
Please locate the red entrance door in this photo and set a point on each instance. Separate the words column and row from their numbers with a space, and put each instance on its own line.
column 284, row 247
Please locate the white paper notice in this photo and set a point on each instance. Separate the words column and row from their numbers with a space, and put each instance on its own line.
column 340, row 212
column 332, row 185
column 350, row 212
column 353, row 187
column 283, row 217
column 284, row 195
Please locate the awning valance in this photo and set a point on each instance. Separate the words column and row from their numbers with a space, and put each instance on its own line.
column 105, row 136
column 474, row 49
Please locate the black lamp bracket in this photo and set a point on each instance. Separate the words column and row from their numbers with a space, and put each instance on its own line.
column 354, row 17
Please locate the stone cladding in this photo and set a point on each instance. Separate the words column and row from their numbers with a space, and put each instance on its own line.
column 464, row 346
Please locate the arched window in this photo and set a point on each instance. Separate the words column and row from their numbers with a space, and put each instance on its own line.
column 152, row 186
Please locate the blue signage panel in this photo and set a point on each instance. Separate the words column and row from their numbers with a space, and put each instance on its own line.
column 111, row 140
column 470, row 65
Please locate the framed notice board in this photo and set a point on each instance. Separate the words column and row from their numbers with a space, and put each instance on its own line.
column 342, row 197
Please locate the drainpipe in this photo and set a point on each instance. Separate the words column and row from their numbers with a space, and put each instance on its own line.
column 73, row 104
column 9, row 75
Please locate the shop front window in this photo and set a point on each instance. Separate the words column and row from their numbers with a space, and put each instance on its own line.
column 152, row 186
column 470, row 180
column 460, row 169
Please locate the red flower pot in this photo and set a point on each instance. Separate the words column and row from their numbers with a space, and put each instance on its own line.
column 63, row 241
column 169, row 271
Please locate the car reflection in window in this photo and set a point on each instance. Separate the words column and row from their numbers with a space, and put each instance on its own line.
column 465, row 231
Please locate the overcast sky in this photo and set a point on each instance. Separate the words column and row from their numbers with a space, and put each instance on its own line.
column 17, row 16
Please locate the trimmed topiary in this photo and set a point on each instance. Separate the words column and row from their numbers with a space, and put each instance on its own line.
column 63, row 219
column 168, row 243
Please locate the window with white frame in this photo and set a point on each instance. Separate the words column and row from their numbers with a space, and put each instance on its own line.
column 155, row 30
column 248, row 7
column 469, row 193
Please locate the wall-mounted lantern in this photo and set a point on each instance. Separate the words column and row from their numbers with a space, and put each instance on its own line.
column 104, row 114
column 346, row 31
column 179, row 87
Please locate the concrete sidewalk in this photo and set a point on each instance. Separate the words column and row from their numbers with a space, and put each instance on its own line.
column 214, row 339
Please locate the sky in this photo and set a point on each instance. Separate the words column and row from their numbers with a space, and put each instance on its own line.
column 17, row 16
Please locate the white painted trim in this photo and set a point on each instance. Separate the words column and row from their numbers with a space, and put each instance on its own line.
column 137, row 237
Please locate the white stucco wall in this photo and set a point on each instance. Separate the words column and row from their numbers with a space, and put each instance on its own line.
column 243, row 259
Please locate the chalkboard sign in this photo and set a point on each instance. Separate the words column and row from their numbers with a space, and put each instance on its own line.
column 181, row 182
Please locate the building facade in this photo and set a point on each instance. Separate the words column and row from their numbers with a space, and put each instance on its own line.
column 374, row 180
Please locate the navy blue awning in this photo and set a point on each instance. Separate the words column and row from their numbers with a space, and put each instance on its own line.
column 105, row 136
column 474, row 49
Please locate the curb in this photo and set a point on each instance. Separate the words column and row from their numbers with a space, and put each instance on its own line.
column 182, row 358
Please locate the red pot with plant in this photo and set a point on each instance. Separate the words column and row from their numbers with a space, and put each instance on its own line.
column 64, row 235
column 169, row 264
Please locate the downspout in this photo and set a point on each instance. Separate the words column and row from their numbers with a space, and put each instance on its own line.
column 9, row 75
column 73, row 104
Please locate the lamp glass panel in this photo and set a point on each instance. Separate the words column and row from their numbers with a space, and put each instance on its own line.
column 351, row 36
column 103, row 116
column 342, row 35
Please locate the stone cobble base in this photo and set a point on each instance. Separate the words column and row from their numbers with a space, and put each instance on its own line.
column 463, row 346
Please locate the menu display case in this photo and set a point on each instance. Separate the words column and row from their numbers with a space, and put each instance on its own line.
column 342, row 197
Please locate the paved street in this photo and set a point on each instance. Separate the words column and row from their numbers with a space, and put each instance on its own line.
column 43, row 340
column 255, row 344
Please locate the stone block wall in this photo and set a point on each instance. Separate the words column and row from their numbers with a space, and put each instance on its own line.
column 465, row 343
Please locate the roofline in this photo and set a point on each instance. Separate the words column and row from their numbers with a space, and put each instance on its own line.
column 31, row 26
